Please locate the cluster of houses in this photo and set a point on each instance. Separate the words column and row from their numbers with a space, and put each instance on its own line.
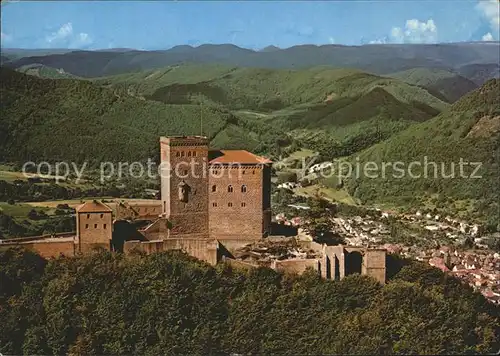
column 478, row 268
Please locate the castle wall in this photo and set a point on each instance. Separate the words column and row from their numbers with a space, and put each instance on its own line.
column 46, row 249
column 142, row 210
column 203, row 249
column 184, row 159
column 297, row 266
column 236, row 214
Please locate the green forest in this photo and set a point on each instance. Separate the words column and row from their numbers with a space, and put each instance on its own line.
column 169, row 303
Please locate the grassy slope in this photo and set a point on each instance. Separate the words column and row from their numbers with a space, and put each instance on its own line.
column 449, row 85
column 454, row 134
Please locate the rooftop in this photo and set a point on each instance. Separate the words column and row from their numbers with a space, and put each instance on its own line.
column 236, row 156
column 93, row 207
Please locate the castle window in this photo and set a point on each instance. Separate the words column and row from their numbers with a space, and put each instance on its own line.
column 102, row 215
column 86, row 226
column 88, row 216
column 178, row 154
column 214, row 188
column 189, row 153
column 104, row 226
column 194, row 153
column 230, row 188
column 214, row 205
column 243, row 204
column 253, row 172
column 243, row 188
column 229, row 204
column 182, row 154
column 95, row 226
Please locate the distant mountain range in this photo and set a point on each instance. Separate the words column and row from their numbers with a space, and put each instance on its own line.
column 477, row 61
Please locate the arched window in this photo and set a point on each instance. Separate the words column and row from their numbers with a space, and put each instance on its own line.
column 230, row 188
column 178, row 154
column 189, row 153
column 182, row 154
column 243, row 204
column 214, row 188
column 243, row 188
column 230, row 204
column 214, row 205
column 194, row 153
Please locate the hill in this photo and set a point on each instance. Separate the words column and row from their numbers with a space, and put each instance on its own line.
column 263, row 89
column 479, row 73
column 337, row 111
column 440, row 82
column 255, row 109
column 169, row 303
column 379, row 59
column 468, row 131
column 75, row 120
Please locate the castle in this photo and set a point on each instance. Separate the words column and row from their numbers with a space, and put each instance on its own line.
column 212, row 202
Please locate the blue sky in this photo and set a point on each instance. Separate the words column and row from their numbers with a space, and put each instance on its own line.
column 250, row 24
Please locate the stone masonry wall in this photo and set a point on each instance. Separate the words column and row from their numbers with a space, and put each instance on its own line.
column 374, row 264
column 46, row 249
column 203, row 249
column 297, row 266
column 94, row 229
column 235, row 213
column 190, row 218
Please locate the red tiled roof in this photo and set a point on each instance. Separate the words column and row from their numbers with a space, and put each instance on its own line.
column 237, row 156
column 93, row 207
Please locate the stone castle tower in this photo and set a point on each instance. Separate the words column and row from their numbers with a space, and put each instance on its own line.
column 94, row 226
column 184, row 185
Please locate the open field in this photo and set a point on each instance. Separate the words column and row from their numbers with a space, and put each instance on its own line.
column 21, row 210
column 335, row 195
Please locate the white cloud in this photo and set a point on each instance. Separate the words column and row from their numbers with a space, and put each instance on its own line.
column 491, row 11
column 415, row 32
column 62, row 34
column 65, row 36
column 378, row 41
column 487, row 37
column 5, row 37
column 83, row 39
column 331, row 40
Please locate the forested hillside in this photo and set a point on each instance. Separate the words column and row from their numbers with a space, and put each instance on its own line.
column 255, row 109
column 469, row 131
column 448, row 85
column 171, row 304
column 65, row 119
